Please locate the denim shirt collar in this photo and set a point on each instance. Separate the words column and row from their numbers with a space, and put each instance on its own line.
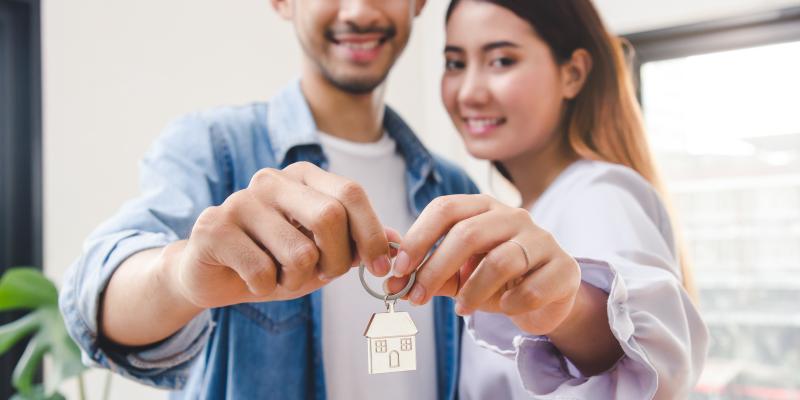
column 290, row 126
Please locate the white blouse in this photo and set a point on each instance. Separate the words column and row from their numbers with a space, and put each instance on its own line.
column 614, row 223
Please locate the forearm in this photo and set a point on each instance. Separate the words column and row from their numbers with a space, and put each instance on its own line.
column 141, row 304
column 585, row 337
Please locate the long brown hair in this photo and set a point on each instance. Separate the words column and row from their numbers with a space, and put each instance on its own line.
column 604, row 121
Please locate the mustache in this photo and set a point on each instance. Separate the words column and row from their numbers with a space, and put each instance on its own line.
column 388, row 32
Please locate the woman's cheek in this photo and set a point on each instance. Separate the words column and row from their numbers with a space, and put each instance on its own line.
column 514, row 97
column 454, row 112
column 533, row 101
column 449, row 93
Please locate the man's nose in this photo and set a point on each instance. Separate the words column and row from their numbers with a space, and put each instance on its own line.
column 362, row 13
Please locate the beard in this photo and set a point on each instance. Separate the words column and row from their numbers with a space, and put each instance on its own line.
column 353, row 85
column 359, row 83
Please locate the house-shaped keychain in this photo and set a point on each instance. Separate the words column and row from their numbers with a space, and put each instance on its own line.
column 391, row 341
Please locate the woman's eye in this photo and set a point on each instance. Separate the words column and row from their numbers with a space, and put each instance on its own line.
column 451, row 65
column 503, row 62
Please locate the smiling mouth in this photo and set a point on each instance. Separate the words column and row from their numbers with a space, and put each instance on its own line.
column 360, row 38
column 358, row 44
column 359, row 41
column 361, row 49
column 482, row 125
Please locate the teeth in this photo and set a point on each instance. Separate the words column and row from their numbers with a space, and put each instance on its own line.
column 361, row 46
column 483, row 122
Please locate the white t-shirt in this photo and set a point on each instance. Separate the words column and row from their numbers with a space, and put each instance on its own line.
column 347, row 307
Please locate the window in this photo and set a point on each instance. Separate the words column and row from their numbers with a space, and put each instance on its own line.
column 380, row 346
column 405, row 344
column 720, row 103
column 20, row 150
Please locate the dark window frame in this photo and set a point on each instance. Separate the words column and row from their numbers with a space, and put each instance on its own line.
column 759, row 29
column 20, row 150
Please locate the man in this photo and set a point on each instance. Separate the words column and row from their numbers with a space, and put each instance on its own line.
column 208, row 280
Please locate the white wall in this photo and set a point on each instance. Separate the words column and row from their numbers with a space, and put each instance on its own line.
column 116, row 71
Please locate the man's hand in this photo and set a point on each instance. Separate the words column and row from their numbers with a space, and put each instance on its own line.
column 284, row 236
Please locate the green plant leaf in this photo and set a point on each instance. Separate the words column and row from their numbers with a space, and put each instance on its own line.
column 38, row 394
column 57, row 396
column 26, row 288
column 22, row 378
column 64, row 353
column 13, row 332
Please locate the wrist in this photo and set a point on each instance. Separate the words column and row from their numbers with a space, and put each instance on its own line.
column 585, row 336
column 572, row 322
column 168, row 272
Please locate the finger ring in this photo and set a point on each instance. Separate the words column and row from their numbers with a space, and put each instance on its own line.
column 524, row 252
column 514, row 282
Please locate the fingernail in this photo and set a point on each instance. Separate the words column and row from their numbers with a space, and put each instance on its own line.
column 462, row 311
column 381, row 266
column 356, row 261
column 401, row 263
column 417, row 294
column 386, row 286
column 323, row 277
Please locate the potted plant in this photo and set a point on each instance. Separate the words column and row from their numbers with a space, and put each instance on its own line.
column 28, row 289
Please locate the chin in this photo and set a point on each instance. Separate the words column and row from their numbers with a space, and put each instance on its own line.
column 357, row 82
column 484, row 149
column 359, row 86
column 484, row 152
column 492, row 151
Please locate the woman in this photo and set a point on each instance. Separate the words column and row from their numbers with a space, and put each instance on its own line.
column 591, row 300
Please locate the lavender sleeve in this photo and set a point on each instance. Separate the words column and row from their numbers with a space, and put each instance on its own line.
column 622, row 241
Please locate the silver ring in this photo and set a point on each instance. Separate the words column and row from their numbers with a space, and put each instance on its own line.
column 524, row 252
column 387, row 297
column 510, row 284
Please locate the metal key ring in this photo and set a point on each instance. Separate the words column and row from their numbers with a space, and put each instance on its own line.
column 389, row 297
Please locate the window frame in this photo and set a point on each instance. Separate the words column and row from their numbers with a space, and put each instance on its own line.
column 764, row 28
column 20, row 151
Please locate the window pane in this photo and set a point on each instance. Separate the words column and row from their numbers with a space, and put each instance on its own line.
column 725, row 128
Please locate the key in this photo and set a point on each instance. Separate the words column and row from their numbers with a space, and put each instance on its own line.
column 391, row 335
column 391, row 341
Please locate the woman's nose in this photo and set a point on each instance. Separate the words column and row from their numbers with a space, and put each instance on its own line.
column 473, row 91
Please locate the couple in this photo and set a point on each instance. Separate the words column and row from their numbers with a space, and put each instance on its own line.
column 230, row 275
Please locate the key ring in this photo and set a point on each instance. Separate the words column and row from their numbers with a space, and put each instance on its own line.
column 389, row 297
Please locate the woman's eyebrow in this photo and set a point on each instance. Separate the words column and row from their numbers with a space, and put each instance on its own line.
column 453, row 49
column 485, row 48
column 496, row 45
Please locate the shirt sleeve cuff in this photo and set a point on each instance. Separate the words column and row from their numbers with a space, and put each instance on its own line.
column 162, row 365
column 547, row 374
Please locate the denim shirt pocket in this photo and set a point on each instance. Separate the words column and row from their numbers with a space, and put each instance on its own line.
column 277, row 316
column 259, row 351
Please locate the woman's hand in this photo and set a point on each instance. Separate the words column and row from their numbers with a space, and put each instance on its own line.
column 492, row 258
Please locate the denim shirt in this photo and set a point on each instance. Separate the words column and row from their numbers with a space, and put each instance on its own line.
column 252, row 350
